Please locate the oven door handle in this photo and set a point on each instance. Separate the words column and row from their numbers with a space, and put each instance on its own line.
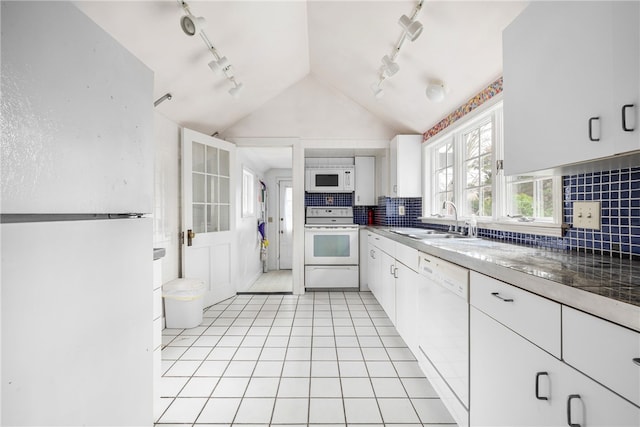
column 331, row 229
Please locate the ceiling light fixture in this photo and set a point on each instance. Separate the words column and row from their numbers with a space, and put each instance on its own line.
column 436, row 90
column 411, row 29
column 192, row 25
column 389, row 68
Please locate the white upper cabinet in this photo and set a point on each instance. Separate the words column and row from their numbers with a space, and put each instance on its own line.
column 569, row 70
column 365, row 194
column 405, row 160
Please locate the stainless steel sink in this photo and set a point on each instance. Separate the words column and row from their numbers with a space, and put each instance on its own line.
column 417, row 233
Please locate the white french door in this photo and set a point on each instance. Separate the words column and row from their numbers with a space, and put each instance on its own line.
column 285, row 225
column 208, row 214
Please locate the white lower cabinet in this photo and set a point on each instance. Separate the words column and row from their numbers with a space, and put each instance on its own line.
column 503, row 374
column 515, row 383
column 373, row 269
column 407, row 305
column 606, row 352
column 387, row 281
column 515, row 380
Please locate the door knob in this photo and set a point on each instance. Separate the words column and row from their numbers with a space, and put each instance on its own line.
column 190, row 236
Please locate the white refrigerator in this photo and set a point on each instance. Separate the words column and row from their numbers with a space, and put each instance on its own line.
column 76, row 236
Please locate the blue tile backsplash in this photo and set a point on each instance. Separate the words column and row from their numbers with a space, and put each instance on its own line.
column 619, row 194
column 328, row 199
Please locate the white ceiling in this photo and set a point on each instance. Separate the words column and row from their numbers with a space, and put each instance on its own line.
column 274, row 44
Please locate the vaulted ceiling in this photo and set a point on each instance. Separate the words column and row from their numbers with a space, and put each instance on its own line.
column 273, row 45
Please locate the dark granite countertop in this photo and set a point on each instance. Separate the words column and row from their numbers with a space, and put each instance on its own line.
column 605, row 286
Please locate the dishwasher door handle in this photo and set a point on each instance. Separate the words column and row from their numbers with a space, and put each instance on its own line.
column 497, row 295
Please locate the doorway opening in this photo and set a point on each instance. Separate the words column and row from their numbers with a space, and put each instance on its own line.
column 267, row 248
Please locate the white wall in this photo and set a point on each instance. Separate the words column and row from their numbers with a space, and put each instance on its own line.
column 272, row 177
column 310, row 109
column 166, row 206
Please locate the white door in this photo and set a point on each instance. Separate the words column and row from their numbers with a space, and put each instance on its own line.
column 208, row 213
column 285, row 225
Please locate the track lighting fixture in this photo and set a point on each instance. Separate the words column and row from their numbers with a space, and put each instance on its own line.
column 377, row 90
column 219, row 65
column 389, row 68
column 236, row 90
column 411, row 29
column 192, row 25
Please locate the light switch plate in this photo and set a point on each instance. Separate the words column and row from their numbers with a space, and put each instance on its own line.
column 401, row 210
column 586, row 215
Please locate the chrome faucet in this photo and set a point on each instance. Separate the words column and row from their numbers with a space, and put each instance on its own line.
column 455, row 213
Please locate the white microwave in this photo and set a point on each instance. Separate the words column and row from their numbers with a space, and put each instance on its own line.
column 330, row 180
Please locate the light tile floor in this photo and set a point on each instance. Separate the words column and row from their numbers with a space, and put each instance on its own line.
column 325, row 358
column 273, row 281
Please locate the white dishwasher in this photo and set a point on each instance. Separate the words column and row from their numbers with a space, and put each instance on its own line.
column 443, row 332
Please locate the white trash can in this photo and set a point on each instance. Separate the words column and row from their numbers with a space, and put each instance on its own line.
column 183, row 303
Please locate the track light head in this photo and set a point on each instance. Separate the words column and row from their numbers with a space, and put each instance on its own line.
column 389, row 68
column 377, row 90
column 236, row 90
column 412, row 29
column 192, row 25
column 219, row 65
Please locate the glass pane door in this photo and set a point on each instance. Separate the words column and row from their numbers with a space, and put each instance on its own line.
column 210, row 186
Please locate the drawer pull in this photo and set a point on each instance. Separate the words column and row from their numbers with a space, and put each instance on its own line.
column 538, row 375
column 636, row 360
column 497, row 295
column 571, row 397
column 591, row 137
column 624, row 118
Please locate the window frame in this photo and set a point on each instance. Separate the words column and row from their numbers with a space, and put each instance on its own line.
column 490, row 111
column 248, row 193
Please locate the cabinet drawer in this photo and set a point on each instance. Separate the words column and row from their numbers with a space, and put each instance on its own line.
column 383, row 243
column 602, row 350
column 535, row 318
column 408, row 256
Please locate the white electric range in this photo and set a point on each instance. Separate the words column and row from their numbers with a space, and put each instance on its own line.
column 331, row 248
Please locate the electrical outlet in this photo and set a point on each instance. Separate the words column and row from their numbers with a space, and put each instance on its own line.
column 401, row 210
column 586, row 215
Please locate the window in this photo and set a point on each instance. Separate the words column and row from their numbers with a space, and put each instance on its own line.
column 248, row 193
column 443, row 172
column 461, row 167
column 530, row 197
column 477, row 145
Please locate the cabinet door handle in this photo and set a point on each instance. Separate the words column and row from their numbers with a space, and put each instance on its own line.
column 624, row 118
column 636, row 360
column 591, row 120
column 569, row 399
column 497, row 295
column 538, row 375
column 391, row 269
column 395, row 273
